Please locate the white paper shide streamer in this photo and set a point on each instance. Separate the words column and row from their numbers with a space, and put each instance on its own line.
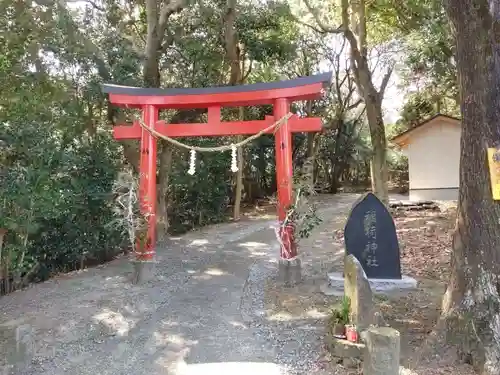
column 234, row 162
column 233, row 147
column 192, row 163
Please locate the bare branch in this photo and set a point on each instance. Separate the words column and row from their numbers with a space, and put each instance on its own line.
column 355, row 74
column 139, row 34
column 177, row 34
column 245, row 75
column 361, row 113
column 360, row 11
column 338, row 84
column 355, row 104
column 171, row 7
column 321, row 24
column 133, row 22
column 377, row 60
column 385, row 81
column 350, row 91
column 312, row 27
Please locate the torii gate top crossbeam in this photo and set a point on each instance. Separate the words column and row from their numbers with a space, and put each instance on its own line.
column 304, row 88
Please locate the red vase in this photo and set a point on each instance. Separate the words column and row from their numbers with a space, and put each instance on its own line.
column 351, row 333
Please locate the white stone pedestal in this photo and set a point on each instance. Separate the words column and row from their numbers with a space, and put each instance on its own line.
column 335, row 285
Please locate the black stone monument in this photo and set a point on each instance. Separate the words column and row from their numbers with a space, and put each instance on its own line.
column 370, row 235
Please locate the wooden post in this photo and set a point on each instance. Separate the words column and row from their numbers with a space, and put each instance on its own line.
column 149, row 199
column 284, row 177
column 289, row 264
column 143, row 185
column 143, row 164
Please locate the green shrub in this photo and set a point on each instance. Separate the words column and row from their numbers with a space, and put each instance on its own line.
column 56, row 203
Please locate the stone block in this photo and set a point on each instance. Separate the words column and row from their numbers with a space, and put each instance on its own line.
column 382, row 351
column 19, row 348
column 348, row 353
column 357, row 288
column 336, row 282
column 347, row 349
column 351, row 362
column 144, row 271
column 289, row 271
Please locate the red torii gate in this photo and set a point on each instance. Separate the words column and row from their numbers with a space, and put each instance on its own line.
column 280, row 94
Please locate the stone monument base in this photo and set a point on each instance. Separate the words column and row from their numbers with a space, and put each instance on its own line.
column 289, row 271
column 335, row 286
column 349, row 354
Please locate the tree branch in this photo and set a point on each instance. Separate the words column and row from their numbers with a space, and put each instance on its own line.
column 173, row 6
column 233, row 52
column 355, row 104
column 245, row 76
column 361, row 113
column 338, row 84
column 139, row 34
column 321, row 24
column 385, row 81
column 312, row 27
column 169, row 40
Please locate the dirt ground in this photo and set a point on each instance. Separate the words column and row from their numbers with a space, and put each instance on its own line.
column 425, row 243
column 214, row 303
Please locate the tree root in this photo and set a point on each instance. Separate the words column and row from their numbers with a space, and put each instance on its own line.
column 463, row 336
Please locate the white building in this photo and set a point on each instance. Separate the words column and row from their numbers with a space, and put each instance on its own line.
column 433, row 152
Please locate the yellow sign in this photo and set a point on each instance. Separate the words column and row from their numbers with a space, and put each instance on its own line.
column 494, row 164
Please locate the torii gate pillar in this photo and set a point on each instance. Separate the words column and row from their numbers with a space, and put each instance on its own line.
column 289, row 264
column 279, row 94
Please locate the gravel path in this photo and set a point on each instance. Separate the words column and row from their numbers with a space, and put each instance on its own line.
column 203, row 313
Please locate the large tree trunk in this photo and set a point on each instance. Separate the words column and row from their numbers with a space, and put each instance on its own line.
column 310, row 163
column 231, row 42
column 130, row 147
column 157, row 16
column 338, row 158
column 165, row 163
column 309, row 166
column 372, row 97
column 153, row 43
column 151, row 78
column 236, row 75
column 165, row 167
column 379, row 172
column 238, row 193
column 471, row 307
